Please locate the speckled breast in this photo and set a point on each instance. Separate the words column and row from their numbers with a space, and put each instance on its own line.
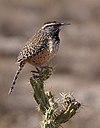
column 45, row 55
column 42, row 58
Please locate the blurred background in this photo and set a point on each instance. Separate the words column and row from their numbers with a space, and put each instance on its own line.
column 77, row 63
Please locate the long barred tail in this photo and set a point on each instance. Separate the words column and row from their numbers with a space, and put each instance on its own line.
column 20, row 67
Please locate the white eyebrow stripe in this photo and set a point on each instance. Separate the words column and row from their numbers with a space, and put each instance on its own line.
column 48, row 25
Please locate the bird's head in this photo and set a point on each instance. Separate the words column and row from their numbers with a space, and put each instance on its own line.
column 53, row 26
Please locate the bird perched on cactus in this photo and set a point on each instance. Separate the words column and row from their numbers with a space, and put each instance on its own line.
column 40, row 48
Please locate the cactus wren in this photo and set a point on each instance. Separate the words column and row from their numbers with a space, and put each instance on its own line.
column 39, row 49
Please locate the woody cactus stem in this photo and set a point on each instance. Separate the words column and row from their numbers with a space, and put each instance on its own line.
column 55, row 111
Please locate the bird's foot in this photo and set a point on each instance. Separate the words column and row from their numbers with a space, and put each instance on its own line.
column 42, row 73
column 35, row 74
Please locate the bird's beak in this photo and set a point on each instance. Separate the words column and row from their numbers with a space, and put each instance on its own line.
column 65, row 23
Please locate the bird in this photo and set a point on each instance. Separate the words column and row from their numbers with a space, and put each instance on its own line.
column 40, row 48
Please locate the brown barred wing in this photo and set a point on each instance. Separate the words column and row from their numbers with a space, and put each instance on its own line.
column 33, row 46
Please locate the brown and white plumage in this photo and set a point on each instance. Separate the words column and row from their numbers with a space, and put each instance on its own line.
column 40, row 48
